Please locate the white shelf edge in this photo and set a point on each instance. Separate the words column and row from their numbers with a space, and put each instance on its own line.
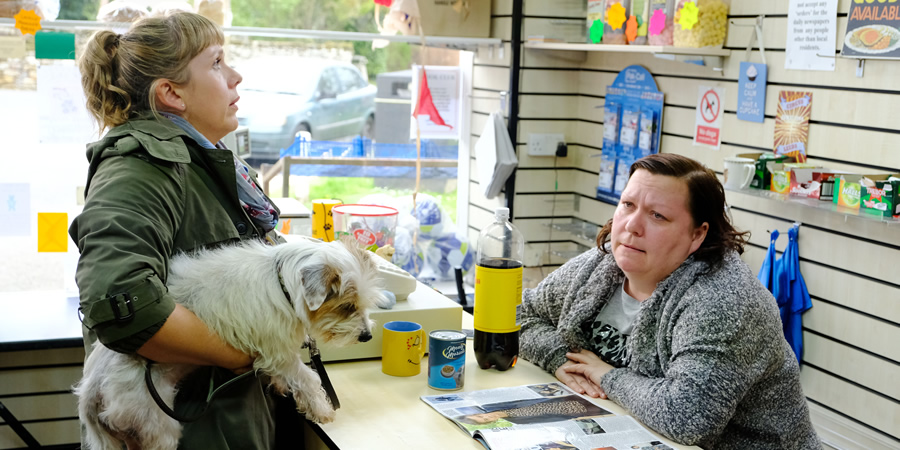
column 628, row 48
column 276, row 32
column 816, row 204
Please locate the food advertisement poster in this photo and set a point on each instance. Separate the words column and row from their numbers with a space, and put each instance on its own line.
column 873, row 29
column 792, row 124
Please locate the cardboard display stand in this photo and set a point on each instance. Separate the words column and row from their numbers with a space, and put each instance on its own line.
column 632, row 118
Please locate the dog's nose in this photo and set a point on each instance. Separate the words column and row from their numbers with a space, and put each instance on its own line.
column 365, row 336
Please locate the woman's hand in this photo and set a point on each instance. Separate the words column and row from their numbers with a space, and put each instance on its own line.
column 589, row 366
column 579, row 382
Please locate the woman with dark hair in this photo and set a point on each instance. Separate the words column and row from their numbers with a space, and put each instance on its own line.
column 665, row 319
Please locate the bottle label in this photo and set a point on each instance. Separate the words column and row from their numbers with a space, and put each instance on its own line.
column 498, row 299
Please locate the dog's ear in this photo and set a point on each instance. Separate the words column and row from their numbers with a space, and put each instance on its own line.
column 318, row 283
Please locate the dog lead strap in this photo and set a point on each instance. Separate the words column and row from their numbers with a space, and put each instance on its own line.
column 323, row 376
column 209, row 398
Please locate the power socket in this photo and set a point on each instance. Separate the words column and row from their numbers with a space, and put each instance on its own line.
column 544, row 144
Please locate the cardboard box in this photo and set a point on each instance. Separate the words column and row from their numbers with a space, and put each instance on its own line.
column 882, row 199
column 763, row 177
column 440, row 18
column 781, row 175
column 814, row 183
column 848, row 189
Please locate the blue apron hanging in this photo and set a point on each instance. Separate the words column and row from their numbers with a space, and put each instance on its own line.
column 797, row 299
column 771, row 278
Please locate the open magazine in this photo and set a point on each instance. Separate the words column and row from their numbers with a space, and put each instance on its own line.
column 541, row 417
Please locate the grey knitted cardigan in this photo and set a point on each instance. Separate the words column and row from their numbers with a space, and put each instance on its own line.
column 709, row 364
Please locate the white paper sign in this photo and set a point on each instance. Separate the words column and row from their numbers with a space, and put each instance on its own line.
column 15, row 209
column 444, row 84
column 811, row 34
column 12, row 47
column 710, row 108
column 62, row 114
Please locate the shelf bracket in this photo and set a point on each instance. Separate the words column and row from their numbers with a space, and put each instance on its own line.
column 860, row 67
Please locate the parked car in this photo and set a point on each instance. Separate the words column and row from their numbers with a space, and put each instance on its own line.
column 281, row 97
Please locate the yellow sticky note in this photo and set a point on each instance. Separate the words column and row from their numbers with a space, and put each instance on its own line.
column 52, row 236
column 27, row 21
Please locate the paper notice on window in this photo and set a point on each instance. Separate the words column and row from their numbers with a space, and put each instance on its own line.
column 15, row 209
column 811, row 34
column 62, row 115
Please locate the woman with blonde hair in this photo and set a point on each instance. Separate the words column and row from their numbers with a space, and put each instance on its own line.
column 161, row 182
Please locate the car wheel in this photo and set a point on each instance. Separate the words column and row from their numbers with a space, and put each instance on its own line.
column 368, row 130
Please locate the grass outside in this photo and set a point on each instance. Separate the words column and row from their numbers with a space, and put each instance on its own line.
column 351, row 189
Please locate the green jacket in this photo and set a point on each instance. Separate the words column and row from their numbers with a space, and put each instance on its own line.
column 152, row 192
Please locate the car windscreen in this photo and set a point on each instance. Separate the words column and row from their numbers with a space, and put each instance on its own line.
column 278, row 79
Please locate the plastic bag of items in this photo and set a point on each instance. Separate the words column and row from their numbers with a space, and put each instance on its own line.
column 439, row 247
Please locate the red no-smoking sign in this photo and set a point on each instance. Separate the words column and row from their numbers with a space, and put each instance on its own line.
column 707, row 130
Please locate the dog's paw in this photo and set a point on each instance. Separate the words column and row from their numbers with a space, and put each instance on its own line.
column 315, row 406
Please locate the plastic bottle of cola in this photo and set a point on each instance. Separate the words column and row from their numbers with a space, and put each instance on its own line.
column 498, row 293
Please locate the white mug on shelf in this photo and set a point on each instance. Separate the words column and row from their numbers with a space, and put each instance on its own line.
column 739, row 172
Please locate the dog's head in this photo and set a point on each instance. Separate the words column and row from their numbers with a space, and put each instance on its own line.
column 332, row 285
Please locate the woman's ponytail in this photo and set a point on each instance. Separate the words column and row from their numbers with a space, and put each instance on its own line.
column 106, row 100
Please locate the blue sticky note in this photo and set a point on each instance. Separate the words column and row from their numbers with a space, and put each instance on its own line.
column 752, row 92
column 15, row 209
column 54, row 45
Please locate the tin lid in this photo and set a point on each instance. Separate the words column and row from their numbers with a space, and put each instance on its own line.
column 447, row 334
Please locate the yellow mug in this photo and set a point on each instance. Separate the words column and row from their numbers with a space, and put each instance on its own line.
column 402, row 348
column 322, row 220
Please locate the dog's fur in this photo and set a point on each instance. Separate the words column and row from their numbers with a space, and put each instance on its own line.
column 236, row 292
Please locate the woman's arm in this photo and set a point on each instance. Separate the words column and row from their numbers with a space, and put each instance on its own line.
column 185, row 339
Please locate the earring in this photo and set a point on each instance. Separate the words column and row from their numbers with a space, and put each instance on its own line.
column 182, row 105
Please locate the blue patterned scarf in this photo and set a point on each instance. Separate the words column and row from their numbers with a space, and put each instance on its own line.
column 252, row 198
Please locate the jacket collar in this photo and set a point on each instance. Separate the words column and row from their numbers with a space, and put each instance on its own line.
column 161, row 138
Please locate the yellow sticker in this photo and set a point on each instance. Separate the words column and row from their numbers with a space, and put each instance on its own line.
column 616, row 16
column 498, row 297
column 27, row 21
column 689, row 16
column 52, row 236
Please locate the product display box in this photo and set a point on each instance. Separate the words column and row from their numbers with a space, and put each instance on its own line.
column 848, row 192
column 781, row 175
column 882, row 199
column 814, row 183
column 762, row 179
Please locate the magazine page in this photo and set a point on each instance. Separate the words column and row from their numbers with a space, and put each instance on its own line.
column 540, row 416
column 513, row 407
column 593, row 433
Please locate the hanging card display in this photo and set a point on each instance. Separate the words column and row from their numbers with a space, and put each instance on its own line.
column 631, row 128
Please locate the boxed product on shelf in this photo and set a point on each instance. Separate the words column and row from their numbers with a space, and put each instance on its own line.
column 700, row 23
column 848, row 188
column 781, row 175
column 638, row 23
column 880, row 197
column 813, row 183
column 660, row 29
column 762, row 179
column 614, row 22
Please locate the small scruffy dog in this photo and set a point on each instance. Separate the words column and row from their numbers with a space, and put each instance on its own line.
column 239, row 293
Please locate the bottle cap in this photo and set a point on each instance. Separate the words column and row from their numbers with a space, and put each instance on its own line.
column 501, row 213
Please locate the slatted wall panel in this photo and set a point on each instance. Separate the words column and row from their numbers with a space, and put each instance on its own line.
column 36, row 387
column 851, row 362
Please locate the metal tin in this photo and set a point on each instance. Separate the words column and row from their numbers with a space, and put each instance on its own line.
column 446, row 359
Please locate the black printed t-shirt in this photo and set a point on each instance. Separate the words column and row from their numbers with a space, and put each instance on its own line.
column 610, row 329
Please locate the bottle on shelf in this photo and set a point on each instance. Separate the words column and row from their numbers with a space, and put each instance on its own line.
column 498, row 293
